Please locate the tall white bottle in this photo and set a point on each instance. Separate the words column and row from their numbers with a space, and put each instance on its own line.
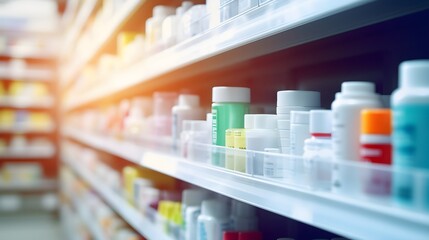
column 346, row 122
column 346, row 108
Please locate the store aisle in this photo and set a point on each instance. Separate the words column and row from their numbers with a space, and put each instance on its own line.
column 26, row 226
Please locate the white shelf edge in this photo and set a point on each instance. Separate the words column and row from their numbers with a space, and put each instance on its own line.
column 334, row 213
column 26, row 102
column 113, row 25
column 132, row 216
column 40, row 185
column 83, row 15
column 27, row 154
column 34, row 55
column 23, row 130
column 27, row 75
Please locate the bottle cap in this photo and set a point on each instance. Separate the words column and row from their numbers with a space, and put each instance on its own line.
column 250, row 236
column 193, row 197
column 215, row 208
column 321, row 122
column 241, row 209
column 414, row 73
column 189, row 100
column 186, row 5
column 230, row 235
column 357, row 87
column 376, row 121
column 162, row 11
column 299, row 117
column 231, row 94
column 298, row 98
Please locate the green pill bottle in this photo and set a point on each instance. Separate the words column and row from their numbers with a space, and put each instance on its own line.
column 230, row 104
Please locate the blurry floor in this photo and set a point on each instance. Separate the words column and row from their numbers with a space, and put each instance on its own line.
column 25, row 226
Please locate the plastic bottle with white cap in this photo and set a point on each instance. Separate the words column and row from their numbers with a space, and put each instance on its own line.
column 299, row 131
column 191, row 209
column 214, row 220
column 171, row 27
column 410, row 104
column 261, row 133
column 346, row 122
column 293, row 100
column 346, row 108
column 230, row 104
column 199, row 138
column 163, row 102
column 188, row 108
column 318, row 150
column 243, row 217
column 154, row 24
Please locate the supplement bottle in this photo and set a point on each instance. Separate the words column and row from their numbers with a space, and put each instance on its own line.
column 293, row 100
column 243, row 217
column 299, row 131
column 318, row 150
column 214, row 220
column 410, row 105
column 263, row 134
column 376, row 148
column 191, row 208
column 230, row 104
column 346, row 108
column 188, row 108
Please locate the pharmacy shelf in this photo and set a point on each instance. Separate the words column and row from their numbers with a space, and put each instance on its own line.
column 25, row 130
column 26, row 102
column 26, row 74
column 344, row 216
column 111, row 27
column 132, row 216
column 81, row 19
column 29, row 55
column 273, row 27
column 27, row 154
column 40, row 185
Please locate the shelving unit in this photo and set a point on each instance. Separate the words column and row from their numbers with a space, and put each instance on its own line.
column 324, row 210
column 140, row 223
column 263, row 35
column 27, row 155
column 30, row 59
column 42, row 185
column 277, row 31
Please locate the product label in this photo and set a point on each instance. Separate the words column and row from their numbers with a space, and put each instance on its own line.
column 376, row 153
column 411, row 149
column 212, row 230
column 214, row 126
column 273, row 166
